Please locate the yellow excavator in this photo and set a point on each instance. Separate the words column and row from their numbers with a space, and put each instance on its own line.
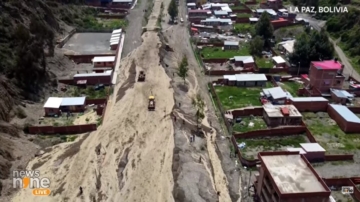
column 151, row 105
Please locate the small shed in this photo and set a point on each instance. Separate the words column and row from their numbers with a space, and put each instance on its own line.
column 314, row 152
column 279, row 61
column 52, row 106
column 310, row 104
column 106, row 61
column 73, row 104
column 231, row 45
column 244, row 61
column 346, row 119
column 340, row 96
column 276, row 95
column 249, row 80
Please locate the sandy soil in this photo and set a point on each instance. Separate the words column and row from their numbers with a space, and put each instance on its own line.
column 90, row 115
column 129, row 158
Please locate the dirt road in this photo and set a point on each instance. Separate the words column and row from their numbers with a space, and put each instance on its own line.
column 129, row 158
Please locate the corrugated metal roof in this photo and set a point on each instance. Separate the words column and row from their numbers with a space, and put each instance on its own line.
column 275, row 93
column 341, row 93
column 231, row 43
column 104, row 59
column 53, row 102
column 308, row 99
column 244, row 59
column 300, row 150
column 270, row 11
column 250, row 77
column 73, row 101
column 344, row 112
column 220, row 12
column 230, row 77
column 312, row 147
column 226, row 8
column 117, row 31
column 254, row 19
column 278, row 59
column 107, row 73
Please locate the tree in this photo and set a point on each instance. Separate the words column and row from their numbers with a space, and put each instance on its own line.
column 173, row 10
column 264, row 28
column 256, row 45
column 183, row 69
column 312, row 47
column 199, row 105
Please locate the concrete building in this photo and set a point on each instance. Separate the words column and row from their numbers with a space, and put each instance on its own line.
column 289, row 177
column 346, row 119
column 105, row 61
column 244, row 61
column 231, row 45
column 94, row 78
column 276, row 95
column 56, row 105
column 245, row 80
column 279, row 61
column 324, row 75
column 310, row 104
column 122, row 3
column 277, row 115
column 216, row 22
column 221, row 14
column 191, row 5
column 341, row 96
column 314, row 152
column 271, row 12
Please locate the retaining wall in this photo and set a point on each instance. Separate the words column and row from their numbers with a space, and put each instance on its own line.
column 95, row 101
column 63, row 41
column 62, row 129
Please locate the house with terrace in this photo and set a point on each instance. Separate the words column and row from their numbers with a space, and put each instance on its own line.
column 279, row 115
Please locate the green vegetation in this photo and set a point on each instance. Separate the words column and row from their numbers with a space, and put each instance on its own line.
column 241, row 96
column 262, row 62
column 291, row 87
column 183, row 68
column 264, row 28
column 285, row 32
column 173, row 10
column 243, row 15
column 346, row 27
column 91, row 93
column 240, row 6
column 217, row 52
column 328, row 133
column 244, row 126
column 256, row 46
column 244, row 28
column 253, row 146
column 312, row 47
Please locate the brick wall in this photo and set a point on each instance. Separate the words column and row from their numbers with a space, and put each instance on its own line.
column 62, row 129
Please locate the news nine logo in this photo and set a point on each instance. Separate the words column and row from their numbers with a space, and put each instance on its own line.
column 30, row 179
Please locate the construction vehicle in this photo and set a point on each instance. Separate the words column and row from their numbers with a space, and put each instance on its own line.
column 141, row 77
column 151, row 105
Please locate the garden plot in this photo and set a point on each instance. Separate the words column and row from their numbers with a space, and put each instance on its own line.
column 329, row 135
column 250, row 124
column 218, row 53
column 291, row 87
column 232, row 97
column 255, row 145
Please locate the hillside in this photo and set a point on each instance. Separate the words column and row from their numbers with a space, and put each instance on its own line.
column 29, row 64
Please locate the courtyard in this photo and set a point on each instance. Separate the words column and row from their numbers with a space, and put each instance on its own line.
column 88, row 43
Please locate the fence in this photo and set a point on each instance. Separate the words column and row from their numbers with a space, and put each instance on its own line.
column 62, row 129
column 63, row 41
column 339, row 157
column 85, row 58
column 285, row 131
column 95, row 101
column 338, row 182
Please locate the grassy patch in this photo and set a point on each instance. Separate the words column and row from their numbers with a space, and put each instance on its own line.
column 91, row 93
column 92, row 23
column 243, row 15
column 285, row 32
column 241, row 96
column 217, row 52
column 291, row 87
column 329, row 134
column 244, row 28
column 240, row 6
column 253, row 146
column 244, row 126
column 262, row 62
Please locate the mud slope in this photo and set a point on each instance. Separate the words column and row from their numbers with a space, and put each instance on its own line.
column 129, row 158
